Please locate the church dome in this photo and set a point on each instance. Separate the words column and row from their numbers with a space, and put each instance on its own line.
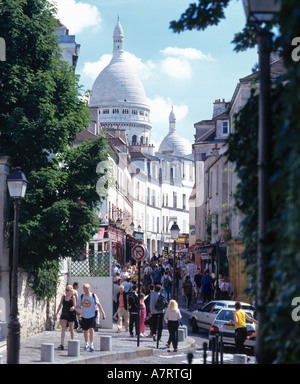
column 174, row 144
column 118, row 84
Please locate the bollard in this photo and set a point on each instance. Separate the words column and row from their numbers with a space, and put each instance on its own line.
column 184, row 327
column 105, row 343
column 240, row 359
column 204, row 352
column 74, row 348
column 47, row 352
column 181, row 334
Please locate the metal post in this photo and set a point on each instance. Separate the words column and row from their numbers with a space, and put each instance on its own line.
column 221, row 348
column 204, row 352
column 13, row 328
column 217, row 348
column 138, row 307
column 213, row 348
column 173, row 288
column 264, row 204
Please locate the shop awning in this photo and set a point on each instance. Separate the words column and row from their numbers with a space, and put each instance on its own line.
column 133, row 239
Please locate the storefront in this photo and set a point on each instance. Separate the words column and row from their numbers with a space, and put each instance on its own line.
column 118, row 238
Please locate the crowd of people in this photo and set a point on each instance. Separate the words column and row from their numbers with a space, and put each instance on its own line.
column 157, row 301
column 196, row 286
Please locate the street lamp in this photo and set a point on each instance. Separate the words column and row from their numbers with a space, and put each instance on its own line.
column 132, row 226
column 174, row 234
column 258, row 12
column 17, row 185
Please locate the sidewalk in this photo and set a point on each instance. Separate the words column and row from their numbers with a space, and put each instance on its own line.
column 124, row 347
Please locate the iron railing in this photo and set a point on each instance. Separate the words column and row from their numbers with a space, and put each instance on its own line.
column 90, row 263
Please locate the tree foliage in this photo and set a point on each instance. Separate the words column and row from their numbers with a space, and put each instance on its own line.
column 41, row 111
column 282, row 335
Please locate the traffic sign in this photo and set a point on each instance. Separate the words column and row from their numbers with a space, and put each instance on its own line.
column 198, row 242
column 139, row 252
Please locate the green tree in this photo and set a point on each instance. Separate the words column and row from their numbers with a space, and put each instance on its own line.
column 41, row 110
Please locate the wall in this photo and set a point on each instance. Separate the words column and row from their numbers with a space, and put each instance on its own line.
column 103, row 288
column 35, row 315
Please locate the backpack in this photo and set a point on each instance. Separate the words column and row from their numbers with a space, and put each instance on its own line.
column 161, row 303
column 166, row 282
column 133, row 302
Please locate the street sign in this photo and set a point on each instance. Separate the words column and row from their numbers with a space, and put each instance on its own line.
column 198, row 248
column 198, row 242
column 139, row 252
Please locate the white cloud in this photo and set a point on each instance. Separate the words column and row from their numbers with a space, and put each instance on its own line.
column 187, row 53
column 92, row 69
column 177, row 67
column 161, row 108
column 77, row 16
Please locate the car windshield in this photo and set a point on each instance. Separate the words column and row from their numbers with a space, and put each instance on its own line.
column 243, row 306
column 227, row 315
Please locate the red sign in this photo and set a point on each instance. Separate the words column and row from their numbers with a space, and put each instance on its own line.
column 139, row 252
column 198, row 242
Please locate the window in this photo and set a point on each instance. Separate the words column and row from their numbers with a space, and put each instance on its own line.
column 105, row 111
column 115, row 110
column 183, row 201
column 225, row 128
column 125, row 111
column 174, row 199
column 134, row 139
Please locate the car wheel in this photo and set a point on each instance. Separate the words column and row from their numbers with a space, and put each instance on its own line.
column 195, row 328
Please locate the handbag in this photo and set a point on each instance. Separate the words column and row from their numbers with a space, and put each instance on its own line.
column 147, row 320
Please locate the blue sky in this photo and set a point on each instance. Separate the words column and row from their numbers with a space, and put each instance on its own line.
column 189, row 70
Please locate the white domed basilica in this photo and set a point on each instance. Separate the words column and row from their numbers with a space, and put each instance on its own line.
column 150, row 191
column 120, row 97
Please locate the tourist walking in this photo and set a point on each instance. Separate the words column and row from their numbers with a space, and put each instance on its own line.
column 133, row 310
column 68, row 315
column 156, row 314
column 143, row 314
column 172, row 317
column 88, row 303
column 187, row 291
column 122, row 303
column 207, row 286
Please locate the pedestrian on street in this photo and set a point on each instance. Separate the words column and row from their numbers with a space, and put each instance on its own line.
column 122, row 302
column 187, row 291
column 143, row 314
column 172, row 317
column 207, row 286
column 197, row 284
column 133, row 310
column 75, row 292
column 88, row 303
column 156, row 315
column 68, row 305
column 240, row 327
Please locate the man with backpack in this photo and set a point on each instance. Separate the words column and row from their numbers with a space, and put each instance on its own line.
column 157, row 305
column 166, row 285
column 88, row 303
column 133, row 310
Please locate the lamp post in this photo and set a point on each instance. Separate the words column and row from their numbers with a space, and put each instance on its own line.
column 17, row 185
column 258, row 12
column 174, row 235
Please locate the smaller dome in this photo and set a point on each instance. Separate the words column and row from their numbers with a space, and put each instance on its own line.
column 173, row 143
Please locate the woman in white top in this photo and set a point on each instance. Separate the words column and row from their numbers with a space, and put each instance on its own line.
column 172, row 317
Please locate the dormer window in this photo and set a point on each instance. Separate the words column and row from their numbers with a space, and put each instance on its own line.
column 225, row 128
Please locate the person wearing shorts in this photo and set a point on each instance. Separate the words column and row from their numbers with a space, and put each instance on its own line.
column 67, row 304
column 88, row 303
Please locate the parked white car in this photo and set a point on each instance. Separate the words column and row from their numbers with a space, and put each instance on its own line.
column 204, row 317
